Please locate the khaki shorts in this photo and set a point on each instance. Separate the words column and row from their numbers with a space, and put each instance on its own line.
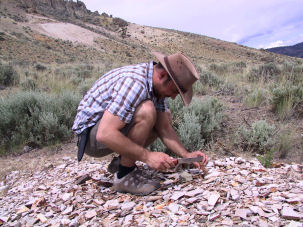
column 96, row 149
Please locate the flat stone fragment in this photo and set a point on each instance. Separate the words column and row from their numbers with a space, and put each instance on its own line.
column 294, row 224
column 194, row 192
column 22, row 210
column 3, row 190
column 112, row 204
column 227, row 221
column 192, row 200
column 65, row 222
column 66, row 196
column 213, row 198
column 242, row 213
column 82, row 179
column 173, row 207
column 128, row 219
column 289, row 213
column 213, row 216
column 4, row 219
column 177, row 195
column 185, row 177
column 128, row 205
column 153, row 198
column 234, row 194
column 90, row 214
column 262, row 223
column 68, row 210
column 42, row 218
column 212, row 174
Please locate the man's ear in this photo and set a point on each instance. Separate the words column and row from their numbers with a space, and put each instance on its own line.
column 163, row 75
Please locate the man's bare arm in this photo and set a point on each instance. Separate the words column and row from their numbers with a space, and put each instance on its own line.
column 109, row 134
column 171, row 139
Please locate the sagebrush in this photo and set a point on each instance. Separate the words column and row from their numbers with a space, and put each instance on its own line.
column 8, row 75
column 257, row 138
column 196, row 123
column 36, row 119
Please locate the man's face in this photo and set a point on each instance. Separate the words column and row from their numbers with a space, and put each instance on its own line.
column 166, row 88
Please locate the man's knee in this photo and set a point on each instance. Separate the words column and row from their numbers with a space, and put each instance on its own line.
column 146, row 111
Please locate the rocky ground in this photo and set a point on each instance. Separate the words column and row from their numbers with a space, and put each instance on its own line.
column 234, row 192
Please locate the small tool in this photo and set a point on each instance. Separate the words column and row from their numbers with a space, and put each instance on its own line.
column 179, row 161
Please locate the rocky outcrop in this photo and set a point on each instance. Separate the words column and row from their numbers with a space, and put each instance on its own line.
column 72, row 12
column 65, row 10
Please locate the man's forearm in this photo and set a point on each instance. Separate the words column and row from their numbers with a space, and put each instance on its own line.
column 172, row 142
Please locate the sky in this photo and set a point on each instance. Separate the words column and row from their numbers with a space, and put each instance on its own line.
column 253, row 23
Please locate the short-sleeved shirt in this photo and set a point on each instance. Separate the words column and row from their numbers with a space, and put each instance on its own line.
column 119, row 91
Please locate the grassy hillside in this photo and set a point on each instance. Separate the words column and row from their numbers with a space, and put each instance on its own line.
column 253, row 99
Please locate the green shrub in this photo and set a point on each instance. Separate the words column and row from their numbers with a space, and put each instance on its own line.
column 267, row 158
column 190, row 131
column 258, row 138
column 36, row 119
column 211, row 79
column 227, row 89
column 209, row 113
column 199, row 88
column 195, row 124
column 287, row 100
column 222, row 69
column 84, row 71
column 256, row 98
column 266, row 72
column 285, row 143
column 40, row 67
column 29, row 85
column 8, row 76
column 86, row 85
column 293, row 72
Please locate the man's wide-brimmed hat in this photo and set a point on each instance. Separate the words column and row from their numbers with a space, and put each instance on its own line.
column 182, row 72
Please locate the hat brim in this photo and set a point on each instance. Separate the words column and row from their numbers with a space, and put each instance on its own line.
column 186, row 96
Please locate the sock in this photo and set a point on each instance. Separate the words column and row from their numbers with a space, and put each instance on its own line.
column 124, row 170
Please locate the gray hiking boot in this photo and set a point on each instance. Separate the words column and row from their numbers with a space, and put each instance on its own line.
column 135, row 183
column 113, row 167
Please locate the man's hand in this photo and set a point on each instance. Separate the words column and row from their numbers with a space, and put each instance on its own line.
column 159, row 161
column 195, row 154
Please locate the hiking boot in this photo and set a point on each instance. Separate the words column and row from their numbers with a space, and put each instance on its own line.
column 135, row 183
column 113, row 167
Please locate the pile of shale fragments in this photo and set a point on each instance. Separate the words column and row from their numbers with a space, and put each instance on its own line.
column 234, row 192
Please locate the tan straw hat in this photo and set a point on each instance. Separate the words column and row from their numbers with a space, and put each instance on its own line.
column 182, row 72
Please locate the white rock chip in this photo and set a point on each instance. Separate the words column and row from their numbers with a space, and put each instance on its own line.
column 173, row 207
column 289, row 213
column 213, row 198
column 128, row 205
column 177, row 195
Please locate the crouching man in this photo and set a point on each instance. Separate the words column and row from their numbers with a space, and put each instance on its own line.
column 126, row 110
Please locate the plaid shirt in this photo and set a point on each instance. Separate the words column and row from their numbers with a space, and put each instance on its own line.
column 119, row 91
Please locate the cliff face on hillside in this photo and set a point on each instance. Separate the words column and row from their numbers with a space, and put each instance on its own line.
column 65, row 10
column 294, row 51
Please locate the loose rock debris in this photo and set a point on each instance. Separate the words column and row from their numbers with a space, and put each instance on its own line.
column 235, row 192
